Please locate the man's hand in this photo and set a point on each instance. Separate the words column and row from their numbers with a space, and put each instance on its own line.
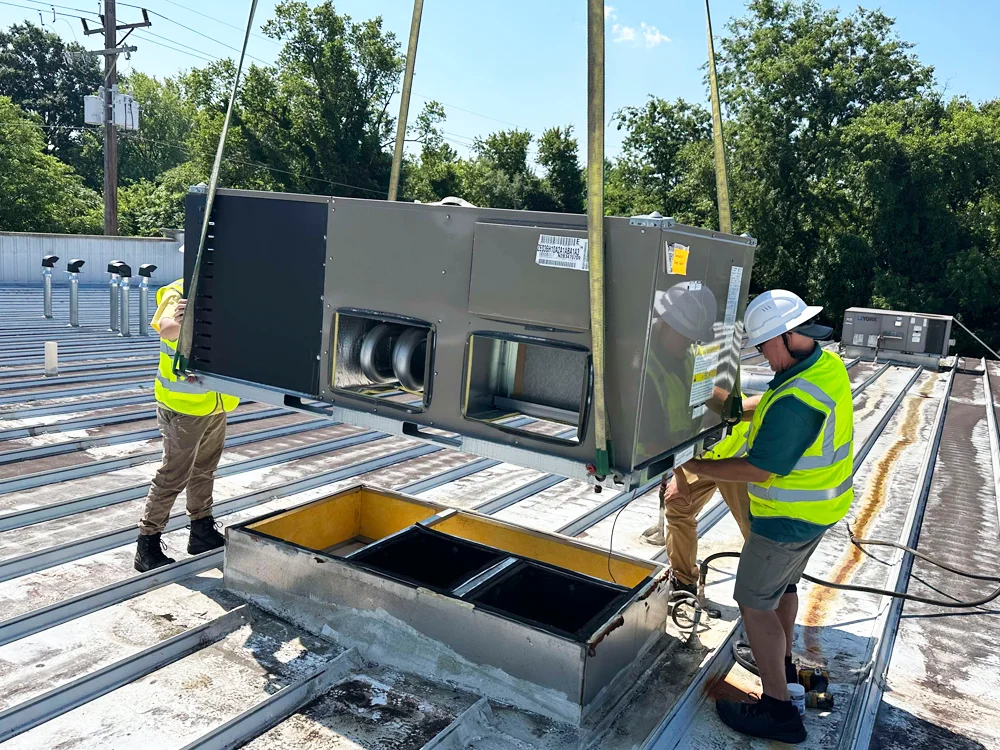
column 170, row 328
column 675, row 489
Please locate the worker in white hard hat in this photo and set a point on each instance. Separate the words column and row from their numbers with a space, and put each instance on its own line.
column 800, row 474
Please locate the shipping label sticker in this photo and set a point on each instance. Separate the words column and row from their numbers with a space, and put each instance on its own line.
column 733, row 296
column 562, row 252
column 682, row 457
column 677, row 259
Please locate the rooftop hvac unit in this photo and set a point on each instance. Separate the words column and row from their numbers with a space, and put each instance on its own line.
column 470, row 327
column 915, row 338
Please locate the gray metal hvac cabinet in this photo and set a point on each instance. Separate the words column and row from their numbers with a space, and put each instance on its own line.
column 470, row 326
column 916, row 338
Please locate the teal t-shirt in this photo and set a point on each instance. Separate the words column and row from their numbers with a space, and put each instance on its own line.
column 789, row 428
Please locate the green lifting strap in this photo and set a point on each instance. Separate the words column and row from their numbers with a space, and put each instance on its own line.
column 186, row 336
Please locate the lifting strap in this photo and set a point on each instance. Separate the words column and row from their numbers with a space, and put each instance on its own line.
column 732, row 412
column 187, row 324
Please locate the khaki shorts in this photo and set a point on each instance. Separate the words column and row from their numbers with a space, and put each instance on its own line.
column 767, row 568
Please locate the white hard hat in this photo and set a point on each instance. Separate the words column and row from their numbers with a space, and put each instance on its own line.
column 779, row 311
column 690, row 308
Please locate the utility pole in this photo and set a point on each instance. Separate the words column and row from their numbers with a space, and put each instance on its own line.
column 110, row 53
column 110, row 134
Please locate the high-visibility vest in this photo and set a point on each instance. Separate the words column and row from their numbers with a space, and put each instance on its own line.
column 178, row 395
column 734, row 445
column 820, row 487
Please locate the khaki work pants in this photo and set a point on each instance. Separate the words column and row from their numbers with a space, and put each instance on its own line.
column 192, row 447
column 681, row 515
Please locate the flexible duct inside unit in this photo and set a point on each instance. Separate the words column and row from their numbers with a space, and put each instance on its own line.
column 381, row 358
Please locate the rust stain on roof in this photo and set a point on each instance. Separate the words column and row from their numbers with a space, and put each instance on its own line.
column 821, row 598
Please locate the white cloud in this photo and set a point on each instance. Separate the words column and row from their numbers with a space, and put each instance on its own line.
column 609, row 13
column 623, row 33
column 652, row 35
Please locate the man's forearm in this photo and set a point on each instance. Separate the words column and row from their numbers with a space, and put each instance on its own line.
column 728, row 470
column 749, row 406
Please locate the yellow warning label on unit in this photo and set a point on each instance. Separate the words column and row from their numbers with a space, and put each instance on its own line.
column 704, row 372
column 702, row 387
column 706, row 358
column 677, row 258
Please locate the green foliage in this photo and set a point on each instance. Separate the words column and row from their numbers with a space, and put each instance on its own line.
column 862, row 183
column 557, row 153
column 661, row 151
column 498, row 174
column 40, row 193
column 36, row 76
column 148, row 206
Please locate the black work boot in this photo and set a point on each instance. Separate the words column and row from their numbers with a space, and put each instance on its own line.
column 687, row 588
column 149, row 553
column 767, row 718
column 204, row 537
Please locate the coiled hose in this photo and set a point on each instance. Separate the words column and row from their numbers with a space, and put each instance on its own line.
column 696, row 602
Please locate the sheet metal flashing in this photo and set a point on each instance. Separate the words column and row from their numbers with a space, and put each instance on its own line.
column 576, row 678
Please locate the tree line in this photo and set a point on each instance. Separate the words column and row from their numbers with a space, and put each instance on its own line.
column 863, row 182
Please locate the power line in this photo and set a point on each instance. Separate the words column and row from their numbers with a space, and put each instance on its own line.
column 76, row 11
column 184, row 149
column 34, row 10
column 193, row 51
column 219, row 20
column 138, row 135
column 195, row 31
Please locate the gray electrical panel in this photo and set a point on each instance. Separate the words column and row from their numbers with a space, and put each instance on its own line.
column 471, row 327
column 915, row 338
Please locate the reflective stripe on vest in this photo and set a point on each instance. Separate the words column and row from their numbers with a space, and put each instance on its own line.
column 179, row 395
column 820, row 487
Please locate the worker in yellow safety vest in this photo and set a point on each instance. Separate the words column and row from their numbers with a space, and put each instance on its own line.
column 193, row 424
column 800, row 473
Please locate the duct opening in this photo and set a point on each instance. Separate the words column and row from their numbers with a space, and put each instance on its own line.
column 383, row 358
column 426, row 558
column 540, row 386
column 345, row 521
column 555, row 600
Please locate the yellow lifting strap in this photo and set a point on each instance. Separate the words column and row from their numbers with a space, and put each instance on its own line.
column 595, row 225
column 733, row 409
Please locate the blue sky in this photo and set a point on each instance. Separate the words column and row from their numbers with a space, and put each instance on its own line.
column 521, row 63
